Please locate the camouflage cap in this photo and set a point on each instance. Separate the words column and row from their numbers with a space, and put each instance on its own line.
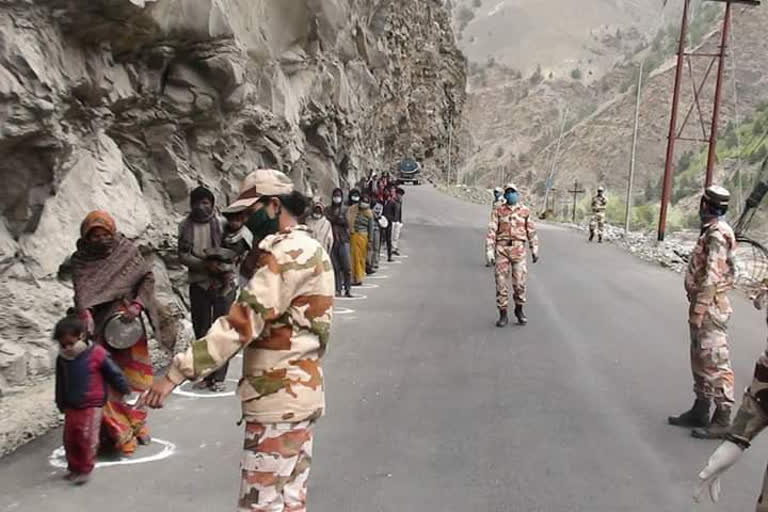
column 510, row 186
column 601, row 188
column 717, row 196
column 260, row 183
column 498, row 190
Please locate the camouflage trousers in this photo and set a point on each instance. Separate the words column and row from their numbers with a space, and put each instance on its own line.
column 597, row 224
column 510, row 261
column 275, row 467
column 711, row 362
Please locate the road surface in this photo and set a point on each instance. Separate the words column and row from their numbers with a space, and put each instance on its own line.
column 430, row 407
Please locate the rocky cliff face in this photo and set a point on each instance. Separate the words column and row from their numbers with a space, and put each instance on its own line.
column 128, row 104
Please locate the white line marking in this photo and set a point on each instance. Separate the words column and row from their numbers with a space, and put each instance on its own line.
column 356, row 297
column 343, row 311
column 194, row 394
column 367, row 286
column 58, row 457
column 377, row 277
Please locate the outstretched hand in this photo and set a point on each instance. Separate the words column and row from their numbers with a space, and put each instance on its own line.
column 721, row 461
column 157, row 394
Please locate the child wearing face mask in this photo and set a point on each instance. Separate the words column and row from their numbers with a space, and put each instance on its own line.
column 82, row 373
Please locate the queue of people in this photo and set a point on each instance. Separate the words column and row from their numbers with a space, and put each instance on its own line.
column 370, row 219
column 258, row 279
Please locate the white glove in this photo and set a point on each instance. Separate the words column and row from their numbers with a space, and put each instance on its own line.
column 490, row 256
column 721, row 461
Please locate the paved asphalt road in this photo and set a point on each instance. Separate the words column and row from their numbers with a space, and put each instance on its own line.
column 433, row 408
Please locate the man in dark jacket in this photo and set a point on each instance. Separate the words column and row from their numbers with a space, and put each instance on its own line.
column 342, row 267
column 200, row 232
column 393, row 213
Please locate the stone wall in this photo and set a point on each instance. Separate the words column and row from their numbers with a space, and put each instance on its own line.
column 126, row 105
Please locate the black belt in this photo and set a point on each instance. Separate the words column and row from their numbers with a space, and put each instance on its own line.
column 510, row 243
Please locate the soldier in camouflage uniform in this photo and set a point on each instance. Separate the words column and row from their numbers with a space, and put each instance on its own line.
column 751, row 419
column 282, row 322
column 597, row 224
column 510, row 232
column 709, row 278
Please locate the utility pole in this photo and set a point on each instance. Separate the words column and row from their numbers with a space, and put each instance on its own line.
column 554, row 158
column 718, row 94
column 628, row 212
column 575, row 191
column 554, row 202
column 450, row 147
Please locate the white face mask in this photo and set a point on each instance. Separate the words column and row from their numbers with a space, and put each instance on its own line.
column 336, row 200
column 317, row 215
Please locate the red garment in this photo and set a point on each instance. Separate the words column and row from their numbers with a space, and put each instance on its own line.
column 81, row 438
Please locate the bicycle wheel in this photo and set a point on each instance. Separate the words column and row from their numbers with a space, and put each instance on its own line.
column 751, row 261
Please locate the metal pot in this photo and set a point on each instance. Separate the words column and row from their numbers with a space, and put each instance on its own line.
column 120, row 334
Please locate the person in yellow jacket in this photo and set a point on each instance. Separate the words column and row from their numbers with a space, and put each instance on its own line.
column 282, row 323
column 361, row 228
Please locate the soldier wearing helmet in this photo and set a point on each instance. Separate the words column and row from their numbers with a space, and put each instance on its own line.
column 709, row 278
column 597, row 224
column 510, row 233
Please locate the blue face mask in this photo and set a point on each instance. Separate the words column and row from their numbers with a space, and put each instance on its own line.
column 511, row 198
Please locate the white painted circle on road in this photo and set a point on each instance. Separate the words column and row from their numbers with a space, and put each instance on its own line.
column 343, row 311
column 367, row 286
column 377, row 277
column 58, row 457
column 179, row 390
column 356, row 297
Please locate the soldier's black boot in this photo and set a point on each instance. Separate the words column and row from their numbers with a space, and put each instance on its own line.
column 599, row 239
column 503, row 318
column 696, row 417
column 521, row 318
column 721, row 424
column 591, row 235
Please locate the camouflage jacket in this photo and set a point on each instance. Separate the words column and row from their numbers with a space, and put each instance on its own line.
column 512, row 226
column 752, row 417
column 282, row 321
column 599, row 204
column 711, row 270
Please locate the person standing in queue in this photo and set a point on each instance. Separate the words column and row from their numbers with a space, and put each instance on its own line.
column 391, row 212
column 321, row 227
column 282, row 322
column 361, row 237
column 510, row 231
column 397, row 227
column 200, row 232
column 342, row 267
column 709, row 278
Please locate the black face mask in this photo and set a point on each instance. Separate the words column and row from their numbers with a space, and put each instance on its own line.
column 261, row 226
column 99, row 248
